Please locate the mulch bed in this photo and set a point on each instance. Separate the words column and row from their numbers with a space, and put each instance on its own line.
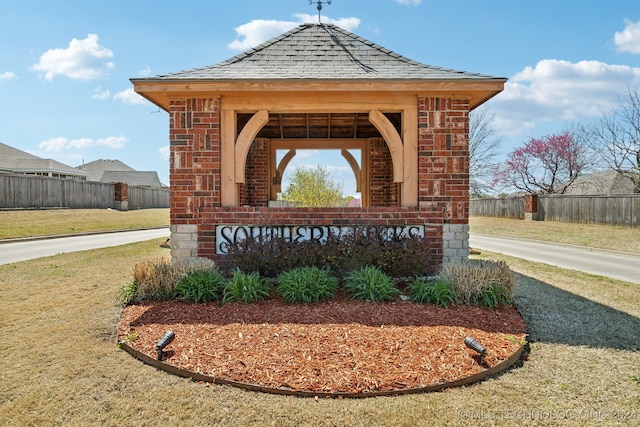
column 339, row 346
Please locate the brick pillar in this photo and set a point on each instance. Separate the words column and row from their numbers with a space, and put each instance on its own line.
column 121, row 196
column 194, row 135
column 531, row 207
column 443, row 169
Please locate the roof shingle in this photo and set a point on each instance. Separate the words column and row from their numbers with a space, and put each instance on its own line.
column 320, row 52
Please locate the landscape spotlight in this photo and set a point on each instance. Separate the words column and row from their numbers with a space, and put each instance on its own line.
column 164, row 341
column 475, row 345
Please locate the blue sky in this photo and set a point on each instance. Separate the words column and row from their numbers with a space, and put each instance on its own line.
column 65, row 66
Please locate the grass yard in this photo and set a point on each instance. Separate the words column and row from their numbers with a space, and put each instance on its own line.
column 61, row 365
column 30, row 223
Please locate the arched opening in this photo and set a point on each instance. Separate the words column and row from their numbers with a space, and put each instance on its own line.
column 363, row 149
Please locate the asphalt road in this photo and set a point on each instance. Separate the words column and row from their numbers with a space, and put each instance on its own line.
column 604, row 263
column 30, row 249
column 616, row 265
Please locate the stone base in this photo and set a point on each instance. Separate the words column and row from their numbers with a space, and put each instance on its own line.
column 184, row 241
column 455, row 242
column 121, row 205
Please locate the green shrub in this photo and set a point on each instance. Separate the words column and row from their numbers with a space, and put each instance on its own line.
column 438, row 292
column 493, row 296
column 156, row 279
column 370, row 283
column 127, row 292
column 246, row 287
column 201, row 286
column 488, row 283
column 307, row 285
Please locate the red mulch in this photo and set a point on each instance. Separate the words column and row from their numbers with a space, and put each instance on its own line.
column 342, row 345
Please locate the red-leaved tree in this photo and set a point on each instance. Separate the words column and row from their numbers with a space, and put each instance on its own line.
column 547, row 165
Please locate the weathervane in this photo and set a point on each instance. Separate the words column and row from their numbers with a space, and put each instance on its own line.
column 319, row 3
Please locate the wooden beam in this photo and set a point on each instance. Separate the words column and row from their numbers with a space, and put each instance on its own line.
column 228, row 187
column 245, row 139
column 393, row 140
column 354, row 167
column 282, row 166
column 409, row 188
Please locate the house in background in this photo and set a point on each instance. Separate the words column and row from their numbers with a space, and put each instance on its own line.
column 111, row 171
column 605, row 182
column 18, row 162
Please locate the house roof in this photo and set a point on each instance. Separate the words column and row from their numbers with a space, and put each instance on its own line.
column 14, row 160
column 97, row 168
column 314, row 53
column 605, row 182
column 133, row 178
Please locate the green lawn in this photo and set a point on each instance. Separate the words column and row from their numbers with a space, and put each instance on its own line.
column 30, row 223
column 61, row 365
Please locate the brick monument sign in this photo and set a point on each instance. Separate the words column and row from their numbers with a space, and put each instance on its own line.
column 318, row 87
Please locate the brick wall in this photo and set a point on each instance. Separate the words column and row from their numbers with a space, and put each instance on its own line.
column 443, row 157
column 255, row 190
column 383, row 191
column 195, row 157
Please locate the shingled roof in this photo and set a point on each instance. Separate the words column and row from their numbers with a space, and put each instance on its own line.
column 320, row 52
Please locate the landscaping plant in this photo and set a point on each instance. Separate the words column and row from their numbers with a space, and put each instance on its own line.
column 370, row 283
column 307, row 285
column 246, row 287
column 156, row 279
column 438, row 291
column 488, row 283
column 201, row 286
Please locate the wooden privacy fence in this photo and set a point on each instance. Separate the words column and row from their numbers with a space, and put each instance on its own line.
column 27, row 192
column 612, row 209
column 503, row 207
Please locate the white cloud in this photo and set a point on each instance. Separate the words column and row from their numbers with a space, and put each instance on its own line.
column 112, row 141
column 258, row 31
column 99, row 93
column 60, row 143
column 129, row 96
column 165, row 153
column 82, row 60
column 556, row 90
column 349, row 24
column 409, row 2
column 145, row 72
column 7, row 75
column 628, row 40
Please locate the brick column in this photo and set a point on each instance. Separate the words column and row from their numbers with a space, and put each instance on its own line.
column 121, row 196
column 194, row 136
column 531, row 207
column 443, row 169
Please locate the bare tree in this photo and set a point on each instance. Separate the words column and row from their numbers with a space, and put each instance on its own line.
column 484, row 146
column 615, row 137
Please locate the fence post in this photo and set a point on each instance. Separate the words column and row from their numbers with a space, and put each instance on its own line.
column 531, row 207
column 121, row 196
